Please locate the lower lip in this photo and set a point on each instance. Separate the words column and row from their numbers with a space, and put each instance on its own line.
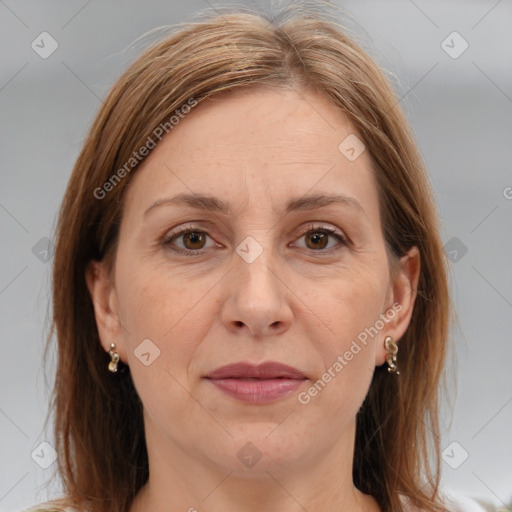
column 258, row 391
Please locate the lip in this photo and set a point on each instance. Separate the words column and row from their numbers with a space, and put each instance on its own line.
column 257, row 384
column 269, row 370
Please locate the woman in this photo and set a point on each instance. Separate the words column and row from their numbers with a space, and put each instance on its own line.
column 250, row 292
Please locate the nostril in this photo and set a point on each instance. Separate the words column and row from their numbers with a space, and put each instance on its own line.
column 239, row 323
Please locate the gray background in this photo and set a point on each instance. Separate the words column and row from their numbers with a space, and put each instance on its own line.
column 461, row 113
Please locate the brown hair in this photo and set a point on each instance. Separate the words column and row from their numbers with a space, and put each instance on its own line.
column 98, row 416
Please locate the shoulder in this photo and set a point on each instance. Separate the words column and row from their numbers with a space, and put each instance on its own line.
column 457, row 502
column 453, row 501
column 50, row 508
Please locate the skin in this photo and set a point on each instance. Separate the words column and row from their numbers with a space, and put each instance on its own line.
column 299, row 302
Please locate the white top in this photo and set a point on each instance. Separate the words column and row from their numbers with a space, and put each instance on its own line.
column 454, row 501
column 459, row 503
column 40, row 508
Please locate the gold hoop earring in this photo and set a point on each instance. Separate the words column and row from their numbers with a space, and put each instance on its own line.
column 392, row 348
column 114, row 358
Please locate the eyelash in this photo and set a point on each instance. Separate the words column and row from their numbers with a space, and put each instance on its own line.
column 343, row 242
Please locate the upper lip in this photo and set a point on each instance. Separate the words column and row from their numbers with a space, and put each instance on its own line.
column 269, row 370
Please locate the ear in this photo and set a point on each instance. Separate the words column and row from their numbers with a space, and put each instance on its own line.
column 104, row 300
column 401, row 301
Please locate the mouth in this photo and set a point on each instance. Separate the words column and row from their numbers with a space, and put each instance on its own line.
column 257, row 384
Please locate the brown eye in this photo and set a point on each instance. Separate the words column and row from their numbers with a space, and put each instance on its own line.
column 317, row 240
column 323, row 240
column 188, row 241
column 194, row 240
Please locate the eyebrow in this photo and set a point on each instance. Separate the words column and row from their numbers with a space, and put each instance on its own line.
column 214, row 204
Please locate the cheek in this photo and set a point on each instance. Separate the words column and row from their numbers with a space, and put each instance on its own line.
column 352, row 308
column 158, row 306
column 336, row 394
column 154, row 300
column 352, row 302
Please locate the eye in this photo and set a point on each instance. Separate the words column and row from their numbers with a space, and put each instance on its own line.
column 190, row 240
column 318, row 238
column 187, row 240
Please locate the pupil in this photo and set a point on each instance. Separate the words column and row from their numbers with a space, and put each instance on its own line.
column 194, row 238
column 319, row 238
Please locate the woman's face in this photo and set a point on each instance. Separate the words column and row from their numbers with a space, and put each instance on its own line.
column 249, row 235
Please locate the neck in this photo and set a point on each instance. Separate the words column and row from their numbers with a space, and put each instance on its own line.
column 181, row 481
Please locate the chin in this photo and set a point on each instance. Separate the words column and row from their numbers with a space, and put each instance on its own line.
column 257, row 449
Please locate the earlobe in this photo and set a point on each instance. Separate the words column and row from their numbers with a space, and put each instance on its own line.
column 104, row 302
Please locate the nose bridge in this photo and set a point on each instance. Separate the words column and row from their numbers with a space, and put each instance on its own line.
column 258, row 296
column 258, row 284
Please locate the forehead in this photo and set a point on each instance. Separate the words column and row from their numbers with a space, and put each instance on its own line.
column 276, row 123
column 275, row 141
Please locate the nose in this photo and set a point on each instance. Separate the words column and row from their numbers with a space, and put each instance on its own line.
column 257, row 304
